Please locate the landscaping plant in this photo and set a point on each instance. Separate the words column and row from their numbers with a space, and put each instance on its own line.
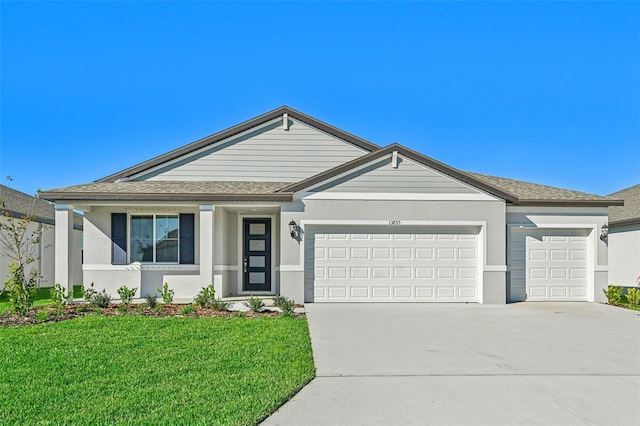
column 59, row 297
column 287, row 307
column 126, row 294
column 218, row 305
column 21, row 289
column 187, row 310
column 101, row 300
column 255, row 304
column 152, row 300
column 614, row 294
column 88, row 293
column 166, row 293
column 278, row 300
column 19, row 242
column 633, row 296
column 206, row 297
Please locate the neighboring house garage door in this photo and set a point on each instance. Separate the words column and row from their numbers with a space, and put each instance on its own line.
column 549, row 264
column 391, row 264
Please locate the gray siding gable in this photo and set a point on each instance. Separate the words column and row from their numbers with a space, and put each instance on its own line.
column 381, row 177
column 266, row 153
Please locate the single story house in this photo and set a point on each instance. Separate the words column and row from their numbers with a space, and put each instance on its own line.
column 17, row 204
column 287, row 204
column 624, row 239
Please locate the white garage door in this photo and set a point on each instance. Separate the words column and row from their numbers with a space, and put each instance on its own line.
column 391, row 264
column 549, row 265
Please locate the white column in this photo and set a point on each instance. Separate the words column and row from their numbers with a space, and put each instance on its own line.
column 64, row 246
column 206, row 245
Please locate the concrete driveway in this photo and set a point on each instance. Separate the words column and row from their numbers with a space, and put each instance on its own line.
column 457, row 364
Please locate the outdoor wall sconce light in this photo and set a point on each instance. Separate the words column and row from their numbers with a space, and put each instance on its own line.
column 293, row 229
column 604, row 232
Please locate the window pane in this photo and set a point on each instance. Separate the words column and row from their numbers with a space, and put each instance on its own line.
column 256, row 277
column 167, row 251
column 256, row 261
column 256, row 245
column 257, row 228
column 166, row 238
column 141, row 239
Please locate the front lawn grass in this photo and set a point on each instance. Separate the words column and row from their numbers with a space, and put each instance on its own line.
column 43, row 297
column 144, row 370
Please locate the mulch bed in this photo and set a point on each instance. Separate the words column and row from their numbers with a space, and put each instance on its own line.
column 9, row 319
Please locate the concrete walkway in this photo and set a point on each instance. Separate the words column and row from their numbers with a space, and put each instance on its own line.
column 457, row 364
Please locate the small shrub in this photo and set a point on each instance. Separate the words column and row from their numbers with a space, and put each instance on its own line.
column 218, row 305
column 42, row 316
column 152, row 300
column 187, row 310
column 21, row 289
column 88, row 293
column 255, row 304
column 59, row 297
column 633, row 296
column 101, row 300
column 122, row 308
column 83, row 308
column 140, row 308
column 97, row 312
column 126, row 294
column 238, row 315
column 206, row 297
column 279, row 300
column 166, row 293
column 287, row 307
column 614, row 294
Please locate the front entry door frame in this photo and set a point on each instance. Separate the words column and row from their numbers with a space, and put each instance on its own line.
column 241, row 237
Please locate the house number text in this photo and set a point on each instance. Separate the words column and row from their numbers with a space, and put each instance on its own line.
column 395, row 222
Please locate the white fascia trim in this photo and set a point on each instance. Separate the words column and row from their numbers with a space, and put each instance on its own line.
column 582, row 211
column 393, row 222
column 495, row 268
column 403, row 196
column 225, row 267
column 291, row 268
column 141, row 267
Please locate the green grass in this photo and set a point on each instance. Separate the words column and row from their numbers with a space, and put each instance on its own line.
column 143, row 370
column 43, row 297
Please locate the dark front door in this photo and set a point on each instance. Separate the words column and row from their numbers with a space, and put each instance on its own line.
column 257, row 255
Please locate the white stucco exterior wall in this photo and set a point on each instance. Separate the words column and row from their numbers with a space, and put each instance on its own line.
column 624, row 255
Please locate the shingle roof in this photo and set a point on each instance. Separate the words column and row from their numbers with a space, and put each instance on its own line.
column 529, row 193
column 19, row 204
column 171, row 190
column 629, row 213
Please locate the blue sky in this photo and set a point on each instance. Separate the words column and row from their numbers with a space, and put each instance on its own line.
column 538, row 91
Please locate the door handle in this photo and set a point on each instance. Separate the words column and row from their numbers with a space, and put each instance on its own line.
column 245, row 264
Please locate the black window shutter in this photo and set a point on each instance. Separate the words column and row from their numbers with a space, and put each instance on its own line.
column 187, row 244
column 118, row 238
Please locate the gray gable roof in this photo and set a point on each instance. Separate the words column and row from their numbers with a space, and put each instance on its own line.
column 629, row 214
column 220, row 136
column 117, row 187
column 18, row 204
column 172, row 191
column 531, row 194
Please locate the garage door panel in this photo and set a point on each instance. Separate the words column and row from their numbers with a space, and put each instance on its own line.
column 548, row 264
column 375, row 265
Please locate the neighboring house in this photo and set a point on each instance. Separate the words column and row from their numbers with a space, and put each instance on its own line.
column 286, row 204
column 18, row 204
column 624, row 238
